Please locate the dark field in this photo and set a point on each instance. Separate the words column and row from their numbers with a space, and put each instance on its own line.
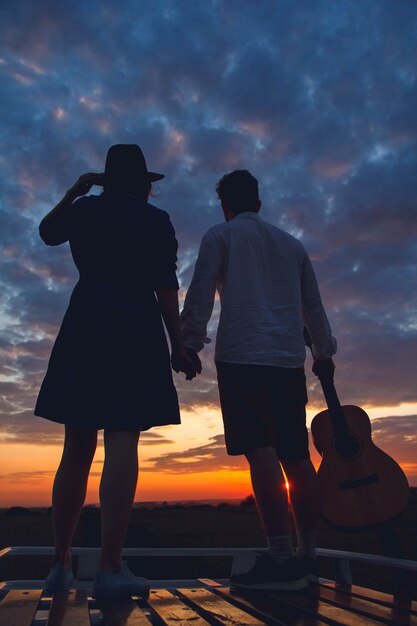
column 196, row 526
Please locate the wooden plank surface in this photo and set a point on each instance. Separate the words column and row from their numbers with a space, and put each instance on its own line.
column 272, row 608
column 172, row 610
column 220, row 609
column 310, row 603
column 122, row 613
column 320, row 606
column 376, row 596
column 69, row 609
column 367, row 607
column 19, row 607
column 208, row 582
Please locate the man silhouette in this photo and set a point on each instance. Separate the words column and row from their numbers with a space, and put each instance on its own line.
column 268, row 292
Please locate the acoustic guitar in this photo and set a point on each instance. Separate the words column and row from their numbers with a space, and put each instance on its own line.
column 360, row 485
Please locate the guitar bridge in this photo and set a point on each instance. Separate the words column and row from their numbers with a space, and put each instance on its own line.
column 359, row 482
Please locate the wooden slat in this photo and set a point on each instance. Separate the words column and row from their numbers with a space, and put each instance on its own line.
column 172, row 610
column 69, row 609
column 272, row 608
column 19, row 607
column 377, row 596
column 367, row 607
column 311, row 604
column 208, row 582
column 122, row 613
column 224, row 612
column 323, row 606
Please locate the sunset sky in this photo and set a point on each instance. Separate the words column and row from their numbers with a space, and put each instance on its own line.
column 317, row 99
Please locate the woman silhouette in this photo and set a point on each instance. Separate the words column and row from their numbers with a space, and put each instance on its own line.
column 110, row 364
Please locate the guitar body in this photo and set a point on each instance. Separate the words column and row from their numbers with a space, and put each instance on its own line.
column 359, row 484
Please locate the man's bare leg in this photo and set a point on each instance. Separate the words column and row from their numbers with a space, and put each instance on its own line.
column 304, row 497
column 271, row 497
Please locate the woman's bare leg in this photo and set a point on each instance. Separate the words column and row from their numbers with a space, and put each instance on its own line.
column 70, row 486
column 117, row 493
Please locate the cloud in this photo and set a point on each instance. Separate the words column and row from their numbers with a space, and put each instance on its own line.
column 318, row 102
column 29, row 477
column 22, row 427
column 208, row 457
column 32, row 477
column 150, row 438
column 395, row 435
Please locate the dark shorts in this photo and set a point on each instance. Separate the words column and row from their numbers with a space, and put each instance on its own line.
column 264, row 405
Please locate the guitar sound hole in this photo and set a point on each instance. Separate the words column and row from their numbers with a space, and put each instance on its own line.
column 347, row 446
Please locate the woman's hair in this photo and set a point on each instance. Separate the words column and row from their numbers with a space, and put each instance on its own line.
column 138, row 188
column 239, row 191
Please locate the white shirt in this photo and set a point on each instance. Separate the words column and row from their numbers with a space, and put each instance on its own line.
column 268, row 292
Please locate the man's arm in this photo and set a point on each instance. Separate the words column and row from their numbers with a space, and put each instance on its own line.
column 199, row 302
column 324, row 345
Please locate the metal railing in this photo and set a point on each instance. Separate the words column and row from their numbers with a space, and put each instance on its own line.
column 242, row 558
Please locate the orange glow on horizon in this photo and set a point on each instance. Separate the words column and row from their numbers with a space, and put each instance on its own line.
column 152, row 487
column 27, row 470
column 27, row 473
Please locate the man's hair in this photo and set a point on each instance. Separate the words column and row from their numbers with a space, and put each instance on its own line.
column 239, row 191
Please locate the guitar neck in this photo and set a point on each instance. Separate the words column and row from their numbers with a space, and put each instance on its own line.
column 337, row 416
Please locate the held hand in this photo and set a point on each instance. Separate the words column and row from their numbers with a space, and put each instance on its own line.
column 182, row 362
column 84, row 184
column 324, row 368
column 195, row 359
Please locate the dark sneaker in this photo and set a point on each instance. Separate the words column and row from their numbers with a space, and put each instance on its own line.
column 310, row 568
column 59, row 579
column 121, row 585
column 269, row 574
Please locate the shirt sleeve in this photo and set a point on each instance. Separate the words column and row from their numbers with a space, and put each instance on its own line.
column 199, row 302
column 59, row 229
column 324, row 345
column 165, row 249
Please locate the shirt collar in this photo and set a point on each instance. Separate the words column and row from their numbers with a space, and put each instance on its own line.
column 247, row 215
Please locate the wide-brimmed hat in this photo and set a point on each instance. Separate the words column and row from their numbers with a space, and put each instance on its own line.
column 125, row 164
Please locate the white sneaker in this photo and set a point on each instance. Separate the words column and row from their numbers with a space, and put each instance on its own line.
column 120, row 585
column 59, row 579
